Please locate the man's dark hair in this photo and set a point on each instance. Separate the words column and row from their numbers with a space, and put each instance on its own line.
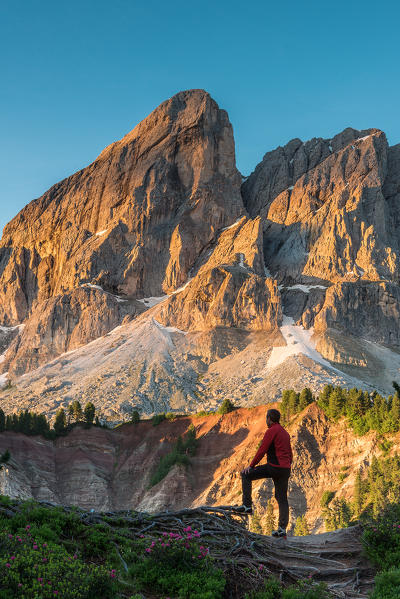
column 275, row 415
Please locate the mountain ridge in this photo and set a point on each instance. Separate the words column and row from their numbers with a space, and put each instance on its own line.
column 160, row 226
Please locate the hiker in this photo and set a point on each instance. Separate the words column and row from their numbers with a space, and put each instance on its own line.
column 276, row 444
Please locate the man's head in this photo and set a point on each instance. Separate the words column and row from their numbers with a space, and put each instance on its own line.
column 273, row 416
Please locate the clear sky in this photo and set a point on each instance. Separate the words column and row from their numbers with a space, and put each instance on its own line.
column 77, row 75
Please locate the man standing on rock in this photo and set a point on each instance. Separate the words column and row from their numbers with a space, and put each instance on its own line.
column 276, row 444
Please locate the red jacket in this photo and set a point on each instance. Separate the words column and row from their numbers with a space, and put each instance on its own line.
column 276, row 444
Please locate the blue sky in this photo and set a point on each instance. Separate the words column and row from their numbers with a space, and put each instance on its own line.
column 76, row 76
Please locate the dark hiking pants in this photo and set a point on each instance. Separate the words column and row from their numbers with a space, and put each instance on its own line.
column 280, row 476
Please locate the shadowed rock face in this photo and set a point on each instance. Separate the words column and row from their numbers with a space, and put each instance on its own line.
column 135, row 220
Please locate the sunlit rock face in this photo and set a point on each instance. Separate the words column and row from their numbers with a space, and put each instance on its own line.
column 326, row 208
column 155, row 267
column 135, row 220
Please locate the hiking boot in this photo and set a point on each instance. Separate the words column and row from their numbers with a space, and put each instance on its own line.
column 279, row 534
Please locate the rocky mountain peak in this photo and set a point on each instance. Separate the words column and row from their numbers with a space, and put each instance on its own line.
column 298, row 264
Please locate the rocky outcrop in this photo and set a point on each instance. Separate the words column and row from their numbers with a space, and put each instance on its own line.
column 230, row 288
column 225, row 297
column 63, row 323
column 364, row 310
column 136, row 219
column 324, row 209
column 110, row 469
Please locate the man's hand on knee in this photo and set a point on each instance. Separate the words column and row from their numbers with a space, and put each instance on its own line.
column 246, row 470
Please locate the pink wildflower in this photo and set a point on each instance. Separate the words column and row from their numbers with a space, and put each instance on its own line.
column 27, row 527
column 8, row 565
column 148, row 550
column 10, row 536
column 260, row 567
column 75, row 556
column 19, row 585
column 12, row 557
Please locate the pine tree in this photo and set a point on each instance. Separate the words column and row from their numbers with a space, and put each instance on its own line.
column 135, row 417
column 323, row 400
column 301, row 528
column 395, row 411
column 4, row 458
column 89, row 413
column 70, row 412
column 336, row 402
column 306, row 397
column 255, row 523
column 358, row 495
column 60, row 423
column 77, row 410
column 2, row 421
column 269, row 522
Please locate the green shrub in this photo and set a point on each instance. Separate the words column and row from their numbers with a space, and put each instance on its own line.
column 226, row 407
column 304, row 589
column 385, row 446
column 381, row 538
column 135, row 417
column 158, row 418
column 179, row 454
column 33, row 569
column 272, row 590
column 178, row 566
column 326, row 498
column 387, row 585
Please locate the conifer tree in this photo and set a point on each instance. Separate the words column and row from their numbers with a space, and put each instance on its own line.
column 60, row 423
column 301, row 528
column 306, row 397
column 77, row 410
column 255, row 523
column 358, row 495
column 89, row 413
column 135, row 417
column 269, row 522
column 2, row 421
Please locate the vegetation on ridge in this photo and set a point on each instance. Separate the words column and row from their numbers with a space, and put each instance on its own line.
column 48, row 551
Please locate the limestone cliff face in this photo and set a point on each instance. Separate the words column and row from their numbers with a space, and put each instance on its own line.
column 161, row 216
column 110, row 469
column 325, row 210
column 230, row 288
column 63, row 323
column 135, row 220
column 366, row 310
